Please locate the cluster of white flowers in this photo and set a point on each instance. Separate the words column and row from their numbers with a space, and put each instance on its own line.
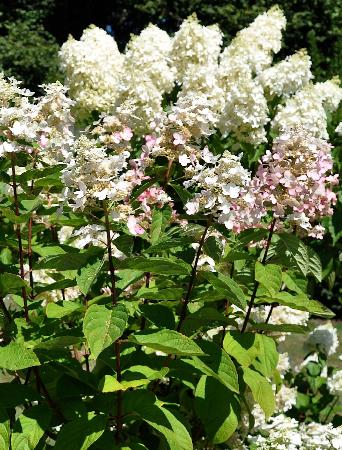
column 194, row 46
column 147, row 75
column 284, row 433
column 224, row 190
column 288, row 76
column 323, row 338
column 92, row 67
column 335, row 383
column 308, row 108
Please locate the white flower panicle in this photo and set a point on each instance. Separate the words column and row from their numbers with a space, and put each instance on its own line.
column 308, row 108
column 92, row 67
column 57, row 123
column 288, row 76
column 195, row 45
column 255, row 45
column 224, row 190
column 245, row 111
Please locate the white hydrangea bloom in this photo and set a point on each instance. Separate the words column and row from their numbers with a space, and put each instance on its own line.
column 287, row 76
column 245, row 111
column 255, row 45
column 324, row 337
column 93, row 68
column 283, row 363
column 281, row 432
column 285, row 399
column 195, row 45
column 148, row 56
column 335, row 383
column 56, row 123
column 307, row 108
column 316, row 436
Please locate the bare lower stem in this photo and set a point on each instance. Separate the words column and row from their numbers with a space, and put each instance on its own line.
column 110, row 256
column 256, row 284
column 119, row 410
column 186, row 299
column 20, row 245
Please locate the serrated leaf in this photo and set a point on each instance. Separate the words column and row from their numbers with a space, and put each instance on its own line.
column 234, row 293
column 217, row 408
column 156, row 226
column 292, row 252
column 5, row 430
column 81, row 433
column 69, row 261
column 57, row 310
column 87, row 274
column 315, row 265
column 30, row 427
column 267, row 358
column 300, row 302
column 261, row 390
column 15, row 356
column 283, row 328
column 161, row 266
column 10, row 283
column 244, row 347
column 167, row 341
column 269, row 276
column 103, row 326
column 168, row 244
column 59, row 342
column 154, row 293
column 217, row 363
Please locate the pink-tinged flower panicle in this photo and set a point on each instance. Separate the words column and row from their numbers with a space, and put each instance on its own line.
column 295, row 181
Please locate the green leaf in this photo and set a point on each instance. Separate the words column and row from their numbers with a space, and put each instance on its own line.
column 81, row 433
column 169, row 244
column 300, row 302
column 244, row 347
column 291, row 283
column 269, row 276
column 87, row 275
column 182, row 193
column 161, row 266
column 160, row 315
column 15, row 356
column 111, row 384
column 172, row 430
column 217, row 363
column 267, row 359
column 35, row 174
column 5, row 430
column 217, row 408
column 291, row 251
column 154, row 293
column 103, row 326
column 156, row 226
column 167, row 341
column 10, row 283
column 57, row 310
column 59, row 342
column 14, row 394
column 261, row 390
column 315, row 265
column 227, row 285
column 283, row 328
column 30, row 427
column 213, row 248
column 31, row 205
column 69, row 261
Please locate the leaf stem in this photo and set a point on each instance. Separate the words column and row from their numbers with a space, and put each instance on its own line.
column 18, row 233
column 186, row 299
column 256, row 283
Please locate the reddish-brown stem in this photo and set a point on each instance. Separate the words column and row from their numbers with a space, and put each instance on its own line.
column 186, row 299
column 41, row 386
column 256, row 284
column 29, row 254
column 119, row 410
column 110, row 256
column 147, row 284
column 20, row 245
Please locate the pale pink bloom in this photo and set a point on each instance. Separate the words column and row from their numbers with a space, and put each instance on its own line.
column 133, row 226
